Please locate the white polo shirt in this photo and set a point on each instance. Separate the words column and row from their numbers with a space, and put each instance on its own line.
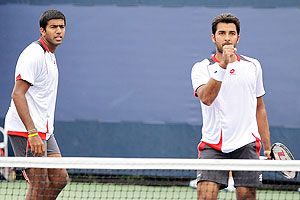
column 37, row 66
column 230, row 121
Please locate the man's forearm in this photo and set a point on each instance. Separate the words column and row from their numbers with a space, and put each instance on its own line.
column 263, row 128
column 209, row 92
column 23, row 110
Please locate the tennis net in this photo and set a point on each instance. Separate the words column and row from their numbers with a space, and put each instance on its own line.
column 146, row 178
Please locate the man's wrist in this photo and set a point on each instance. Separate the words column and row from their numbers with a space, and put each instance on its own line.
column 217, row 72
column 32, row 131
column 33, row 134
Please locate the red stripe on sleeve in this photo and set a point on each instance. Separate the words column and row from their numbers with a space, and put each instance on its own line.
column 18, row 77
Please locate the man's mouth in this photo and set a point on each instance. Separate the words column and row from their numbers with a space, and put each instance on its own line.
column 58, row 38
column 227, row 43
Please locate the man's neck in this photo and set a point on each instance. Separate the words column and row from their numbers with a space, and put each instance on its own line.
column 50, row 47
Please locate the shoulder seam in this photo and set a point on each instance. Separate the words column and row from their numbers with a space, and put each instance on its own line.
column 245, row 59
column 211, row 61
column 39, row 43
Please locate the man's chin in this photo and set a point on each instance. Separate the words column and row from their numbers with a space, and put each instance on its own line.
column 57, row 43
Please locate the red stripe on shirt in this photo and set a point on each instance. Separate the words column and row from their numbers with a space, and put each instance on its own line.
column 25, row 134
column 200, row 148
column 44, row 45
column 217, row 146
column 257, row 144
column 47, row 127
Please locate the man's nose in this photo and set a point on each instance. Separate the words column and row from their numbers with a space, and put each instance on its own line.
column 227, row 38
column 58, row 30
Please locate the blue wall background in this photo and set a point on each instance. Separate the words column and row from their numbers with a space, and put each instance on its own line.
column 125, row 70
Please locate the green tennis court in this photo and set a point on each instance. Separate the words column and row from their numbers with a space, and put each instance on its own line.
column 80, row 190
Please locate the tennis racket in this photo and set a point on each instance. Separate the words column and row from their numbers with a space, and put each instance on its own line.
column 281, row 152
column 7, row 172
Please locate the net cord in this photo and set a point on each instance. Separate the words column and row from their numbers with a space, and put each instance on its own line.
column 151, row 163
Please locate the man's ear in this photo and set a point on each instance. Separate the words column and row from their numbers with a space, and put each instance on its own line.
column 42, row 31
column 213, row 38
column 238, row 39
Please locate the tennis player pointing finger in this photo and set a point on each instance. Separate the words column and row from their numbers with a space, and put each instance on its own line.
column 230, row 89
column 30, row 118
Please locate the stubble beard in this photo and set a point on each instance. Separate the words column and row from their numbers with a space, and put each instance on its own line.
column 220, row 50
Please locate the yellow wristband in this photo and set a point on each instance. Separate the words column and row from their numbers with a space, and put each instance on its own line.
column 31, row 135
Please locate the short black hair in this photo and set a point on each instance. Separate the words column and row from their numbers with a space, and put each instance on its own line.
column 225, row 18
column 50, row 14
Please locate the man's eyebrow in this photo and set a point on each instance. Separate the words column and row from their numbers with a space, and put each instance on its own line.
column 225, row 31
column 56, row 25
